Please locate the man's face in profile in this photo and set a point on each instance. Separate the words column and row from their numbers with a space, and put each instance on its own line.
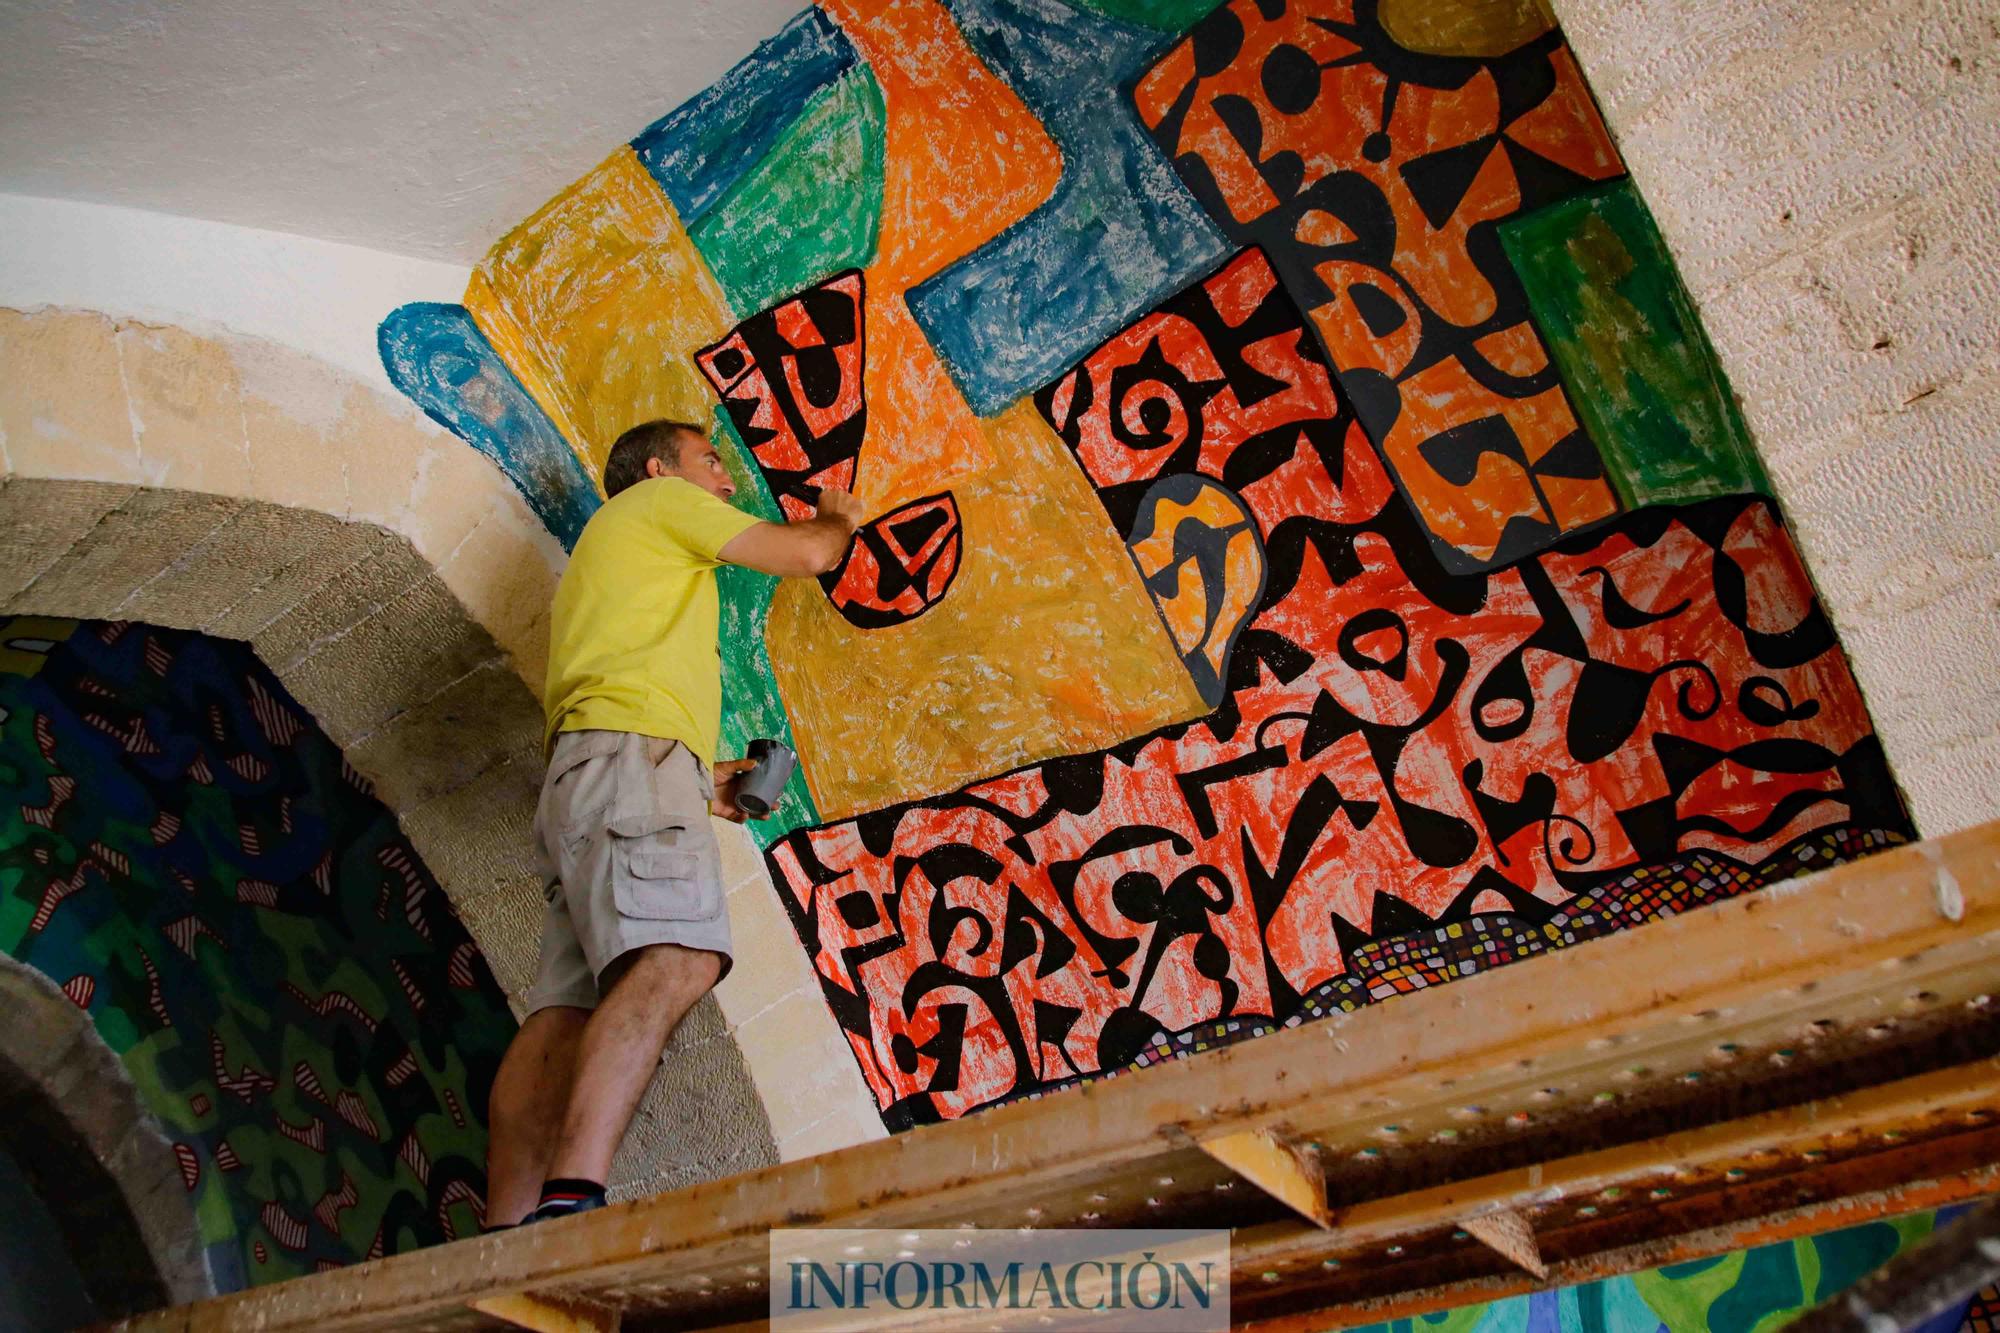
column 700, row 464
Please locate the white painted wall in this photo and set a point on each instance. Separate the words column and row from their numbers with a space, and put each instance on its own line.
column 1827, row 174
column 317, row 297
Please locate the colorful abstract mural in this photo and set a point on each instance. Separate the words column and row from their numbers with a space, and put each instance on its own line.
column 1314, row 552
column 1412, row 773
column 193, row 862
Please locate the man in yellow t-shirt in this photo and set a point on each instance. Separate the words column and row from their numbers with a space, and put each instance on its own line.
column 635, row 929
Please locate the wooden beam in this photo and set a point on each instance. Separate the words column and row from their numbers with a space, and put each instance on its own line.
column 1783, row 1139
column 1278, row 1164
column 549, row 1314
column 1404, row 1099
column 1508, row 1234
column 1417, row 1299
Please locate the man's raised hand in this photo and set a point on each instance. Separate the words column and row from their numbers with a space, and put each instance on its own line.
column 838, row 504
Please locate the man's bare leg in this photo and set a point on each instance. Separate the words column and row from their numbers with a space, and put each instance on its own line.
column 653, row 991
column 530, row 1093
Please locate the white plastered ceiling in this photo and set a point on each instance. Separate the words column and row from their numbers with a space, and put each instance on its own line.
column 422, row 129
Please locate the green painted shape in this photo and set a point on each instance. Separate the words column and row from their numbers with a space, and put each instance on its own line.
column 1629, row 345
column 1843, row 1258
column 811, row 208
column 1761, row 1290
column 1175, row 16
column 751, row 705
column 1769, row 1284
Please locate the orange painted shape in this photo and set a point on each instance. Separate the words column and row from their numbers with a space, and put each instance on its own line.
column 1340, row 321
column 1471, row 517
column 1187, row 610
column 1516, row 349
column 964, row 160
column 964, row 157
column 1566, row 128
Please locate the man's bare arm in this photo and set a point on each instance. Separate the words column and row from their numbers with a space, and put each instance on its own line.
column 799, row 550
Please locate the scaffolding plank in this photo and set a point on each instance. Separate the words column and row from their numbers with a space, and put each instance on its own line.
column 1813, row 982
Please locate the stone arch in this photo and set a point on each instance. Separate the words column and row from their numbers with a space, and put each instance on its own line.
column 355, row 624
column 72, row 1118
column 392, row 579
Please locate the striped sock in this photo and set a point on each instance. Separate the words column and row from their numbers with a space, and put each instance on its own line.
column 560, row 1198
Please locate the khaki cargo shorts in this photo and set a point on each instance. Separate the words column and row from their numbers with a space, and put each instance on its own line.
column 628, row 859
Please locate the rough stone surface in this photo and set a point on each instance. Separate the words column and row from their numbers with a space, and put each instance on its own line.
column 1828, row 177
column 485, row 831
column 130, row 546
column 62, row 398
column 477, row 722
column 507, row 922
column 39, row 523
column 401, row 655
column 49, row 1051
column 382, row 569
column 228, row 567
column 186, row 417
column 315, row 549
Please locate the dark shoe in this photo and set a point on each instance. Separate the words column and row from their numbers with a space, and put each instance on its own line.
column 564, row 1208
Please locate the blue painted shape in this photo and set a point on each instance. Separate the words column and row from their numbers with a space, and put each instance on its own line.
column 1119, row 235
column 705, row 145
column 438, row 357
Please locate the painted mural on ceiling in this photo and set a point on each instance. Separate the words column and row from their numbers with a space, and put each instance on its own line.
column 1315, row 553
column 191, row 860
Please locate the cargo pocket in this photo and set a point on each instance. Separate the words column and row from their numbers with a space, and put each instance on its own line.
column 574, row 793
column 653, row 880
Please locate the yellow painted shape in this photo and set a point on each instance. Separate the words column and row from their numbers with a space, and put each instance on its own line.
column 1465, row 27
column 511, row 346
column 1210, row 506
column 1242, row 581
column 1186, row 612
column 21, row 661
column 597, row 303
column 1046, row 645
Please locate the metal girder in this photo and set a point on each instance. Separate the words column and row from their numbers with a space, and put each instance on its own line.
column 1765, row 1063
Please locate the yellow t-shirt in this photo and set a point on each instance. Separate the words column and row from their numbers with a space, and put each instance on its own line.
column 632, row 637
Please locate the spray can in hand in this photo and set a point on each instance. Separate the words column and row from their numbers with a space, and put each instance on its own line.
column 758, row 790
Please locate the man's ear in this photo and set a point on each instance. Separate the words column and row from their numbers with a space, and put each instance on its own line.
column 655, row 468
